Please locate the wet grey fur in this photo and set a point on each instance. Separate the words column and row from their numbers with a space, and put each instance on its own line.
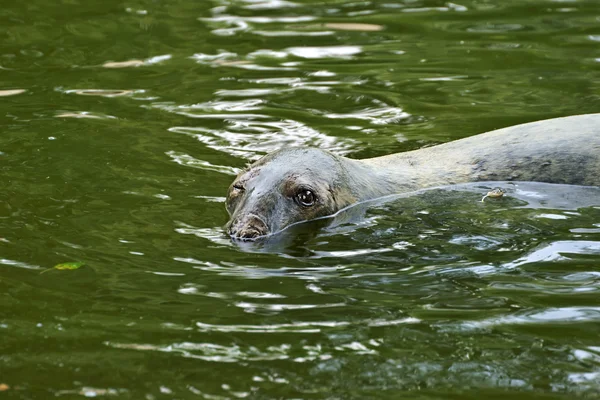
column 561, row 150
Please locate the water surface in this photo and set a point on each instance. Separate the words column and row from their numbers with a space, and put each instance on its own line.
column 123, row 123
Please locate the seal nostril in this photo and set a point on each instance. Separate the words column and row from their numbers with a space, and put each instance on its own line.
column 249, row 227
column 249, row 234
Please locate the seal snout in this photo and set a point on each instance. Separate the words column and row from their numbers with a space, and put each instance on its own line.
column 248, row 228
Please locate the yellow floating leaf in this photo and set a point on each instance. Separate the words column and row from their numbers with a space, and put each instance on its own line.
column 4, row 387
column 69, row 265
column 66, row 266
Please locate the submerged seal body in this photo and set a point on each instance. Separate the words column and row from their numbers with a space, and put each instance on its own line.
column 297, row 184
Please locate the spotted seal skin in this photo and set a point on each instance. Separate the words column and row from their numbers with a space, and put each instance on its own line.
column 298, row 184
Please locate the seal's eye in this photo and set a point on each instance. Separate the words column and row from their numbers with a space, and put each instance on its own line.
column 305, row 198
column 238, row 187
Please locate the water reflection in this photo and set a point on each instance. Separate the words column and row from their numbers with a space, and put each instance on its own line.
column 84, row 114
column 556, row 251
column 158, row 104
column 251, row 139
column 235, row 353
column 324, row 52
column 565, row 315
column 189, row 161
column 381, row 115
column 11, row 92
column 137, row 63
column 15, row 263
column 103, row 92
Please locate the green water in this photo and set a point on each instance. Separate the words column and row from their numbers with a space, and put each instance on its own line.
column 123, row 123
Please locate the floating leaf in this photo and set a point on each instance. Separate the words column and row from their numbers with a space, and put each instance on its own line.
column 4, row 387
column 66, row 266
column 69, row 265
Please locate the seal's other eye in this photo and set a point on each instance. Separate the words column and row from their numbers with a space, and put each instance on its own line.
column 233, row 196
column 305, row 198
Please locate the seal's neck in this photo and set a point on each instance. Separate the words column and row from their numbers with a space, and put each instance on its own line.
column 382, row 176
column 529, row 152
column 454, row 163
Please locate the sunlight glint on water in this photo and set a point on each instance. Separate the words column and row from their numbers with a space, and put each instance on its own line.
column 124, row 124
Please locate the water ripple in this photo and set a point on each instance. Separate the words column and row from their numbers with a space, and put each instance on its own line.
column 383, row 115
column 251, row 139
column 556, row 251
column 102, row 92
column 20, row 264
column 324, row 51
column 189, row 161
column 214, row 235
column 137, row 63
column 239, row 353
column 303, row 327
column 562, row 315
column 11, row 92
column 84, row 114
column 257, row 307
column 229, row 25
column 292, row 33
column 430, row 293
column 269, row 4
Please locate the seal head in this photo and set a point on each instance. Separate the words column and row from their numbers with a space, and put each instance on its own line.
column 285, row 187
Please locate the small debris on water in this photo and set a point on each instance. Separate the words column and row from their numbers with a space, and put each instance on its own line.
column 494, row 194
column 66, row 266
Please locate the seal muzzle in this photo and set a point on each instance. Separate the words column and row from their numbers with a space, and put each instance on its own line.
column 249, row 227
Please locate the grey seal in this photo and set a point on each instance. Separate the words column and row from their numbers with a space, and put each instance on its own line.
column 297, row 184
